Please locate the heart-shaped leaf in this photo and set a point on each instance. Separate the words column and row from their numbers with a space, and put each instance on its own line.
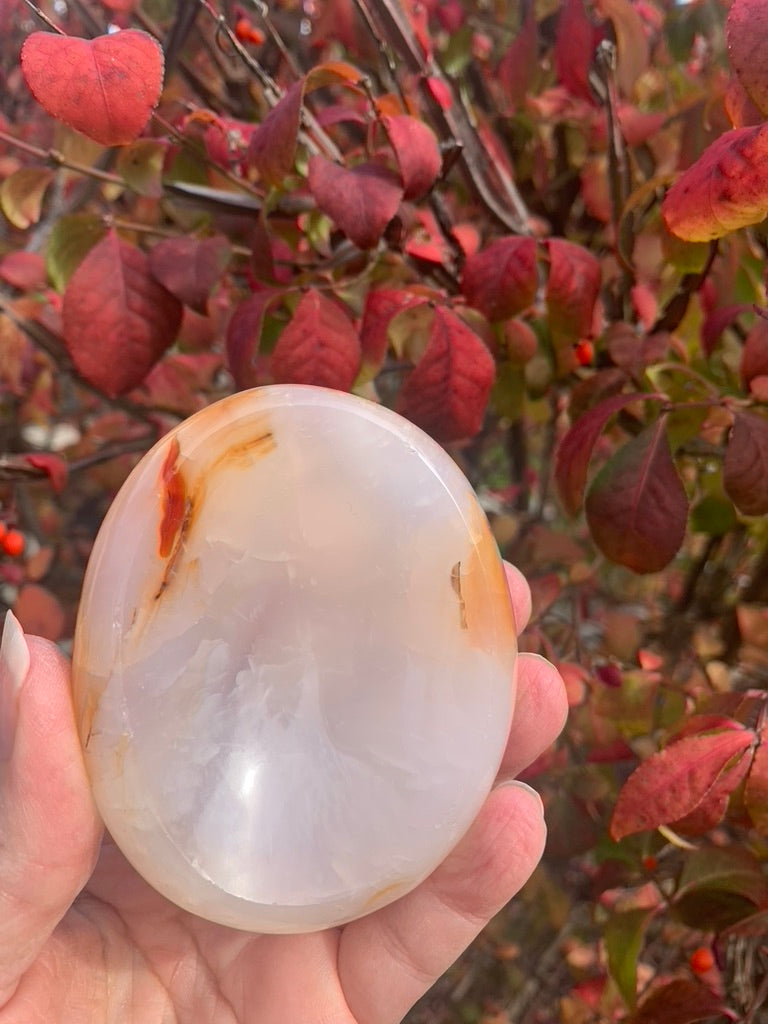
column 361, row 200
column 448, row 391
column 319, row 346
column 117, row 319
column 105, row 87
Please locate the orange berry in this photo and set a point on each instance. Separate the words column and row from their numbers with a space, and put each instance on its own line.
column 13, row 543
column 3, row 530
column 701, row 960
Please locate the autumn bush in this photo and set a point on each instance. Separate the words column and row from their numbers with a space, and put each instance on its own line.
column 538, row 231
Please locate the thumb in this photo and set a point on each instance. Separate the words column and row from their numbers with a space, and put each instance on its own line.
column 49, row 826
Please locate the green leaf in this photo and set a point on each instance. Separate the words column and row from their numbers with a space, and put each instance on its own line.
column 623, row 936
column 69, row 243
column 141, row 166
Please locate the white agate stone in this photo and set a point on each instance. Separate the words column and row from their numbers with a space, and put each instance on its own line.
column 294, row 660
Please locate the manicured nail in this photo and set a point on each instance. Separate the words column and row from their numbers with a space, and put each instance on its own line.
column 531, row 793
column 14, row 666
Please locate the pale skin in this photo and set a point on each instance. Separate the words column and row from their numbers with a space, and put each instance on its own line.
column 83, row 940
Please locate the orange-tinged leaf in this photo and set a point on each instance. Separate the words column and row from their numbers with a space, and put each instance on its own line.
column 724, row 190
column 117, row 319
column 711, row 811
column 417, row 152
column 631, row 41
column 501, row 280
column 22, row 194
column 105, row 87
column 332, row 72
column 361, row 201
column 575, row 450
column 447, row 393
column 637, row 507
column 745, row 466
column 756, row 789
column 319, row 346
column 746, row 29
column 671, row 783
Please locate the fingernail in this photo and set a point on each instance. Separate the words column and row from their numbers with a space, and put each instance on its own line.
column 14, row 666
column 528, row 790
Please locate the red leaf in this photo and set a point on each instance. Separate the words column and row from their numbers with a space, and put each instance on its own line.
column 754, row 355
column 243, row 337
column 39, row 611
column 725, row 189
column 273, row 145
column 319, row 346
column 671, row 783
column 575, row 46
column 417, row 152
column 745, row 466
column 502, row 279
column 105, row 87
column 117, row 320
column 746, row 29
column 711, row 811
column 637, row 508
column 361, row 201
column 24, row 270
column 447, row 393
column 189, row 267
column 573, row 287
column 756, row 789
column 381, row 305
column 678, row 1002
column 575, row 449
column 54, row 467
column 517, row 67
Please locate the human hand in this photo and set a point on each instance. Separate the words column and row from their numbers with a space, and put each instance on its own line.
column 84, row 940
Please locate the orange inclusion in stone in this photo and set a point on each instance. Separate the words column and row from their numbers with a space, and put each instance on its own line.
column 174, row 499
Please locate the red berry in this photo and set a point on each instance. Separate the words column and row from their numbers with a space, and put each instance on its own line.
column 650, row 863
column 701, row 960
column 13, row 543
column 248, row 33
column 585, row 352
column 3, row 530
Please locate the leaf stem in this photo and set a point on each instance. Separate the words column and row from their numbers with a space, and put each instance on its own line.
column 44, row 18
column 56, row 159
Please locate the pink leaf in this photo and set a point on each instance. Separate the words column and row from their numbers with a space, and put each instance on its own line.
column 417, row 152
column 745, row 466
column 117, row 320
column 575, row 449
column 105, row 87
column 319, row 346
column 637, row 508
column 746, row 29
column 189, row 268
column 671, row 783
column 54, row 467
column 361, row 201
column 447, row 393
column 575, row 48
column 502, row 279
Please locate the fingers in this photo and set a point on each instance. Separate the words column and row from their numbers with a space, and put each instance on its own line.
column 389, row 959
column 49, row 827
column 541, row 708
column 520, row 593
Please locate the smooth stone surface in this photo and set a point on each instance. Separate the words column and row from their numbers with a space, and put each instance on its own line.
column 294, row 660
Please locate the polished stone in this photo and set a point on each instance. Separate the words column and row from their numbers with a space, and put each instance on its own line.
column 294, row 660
